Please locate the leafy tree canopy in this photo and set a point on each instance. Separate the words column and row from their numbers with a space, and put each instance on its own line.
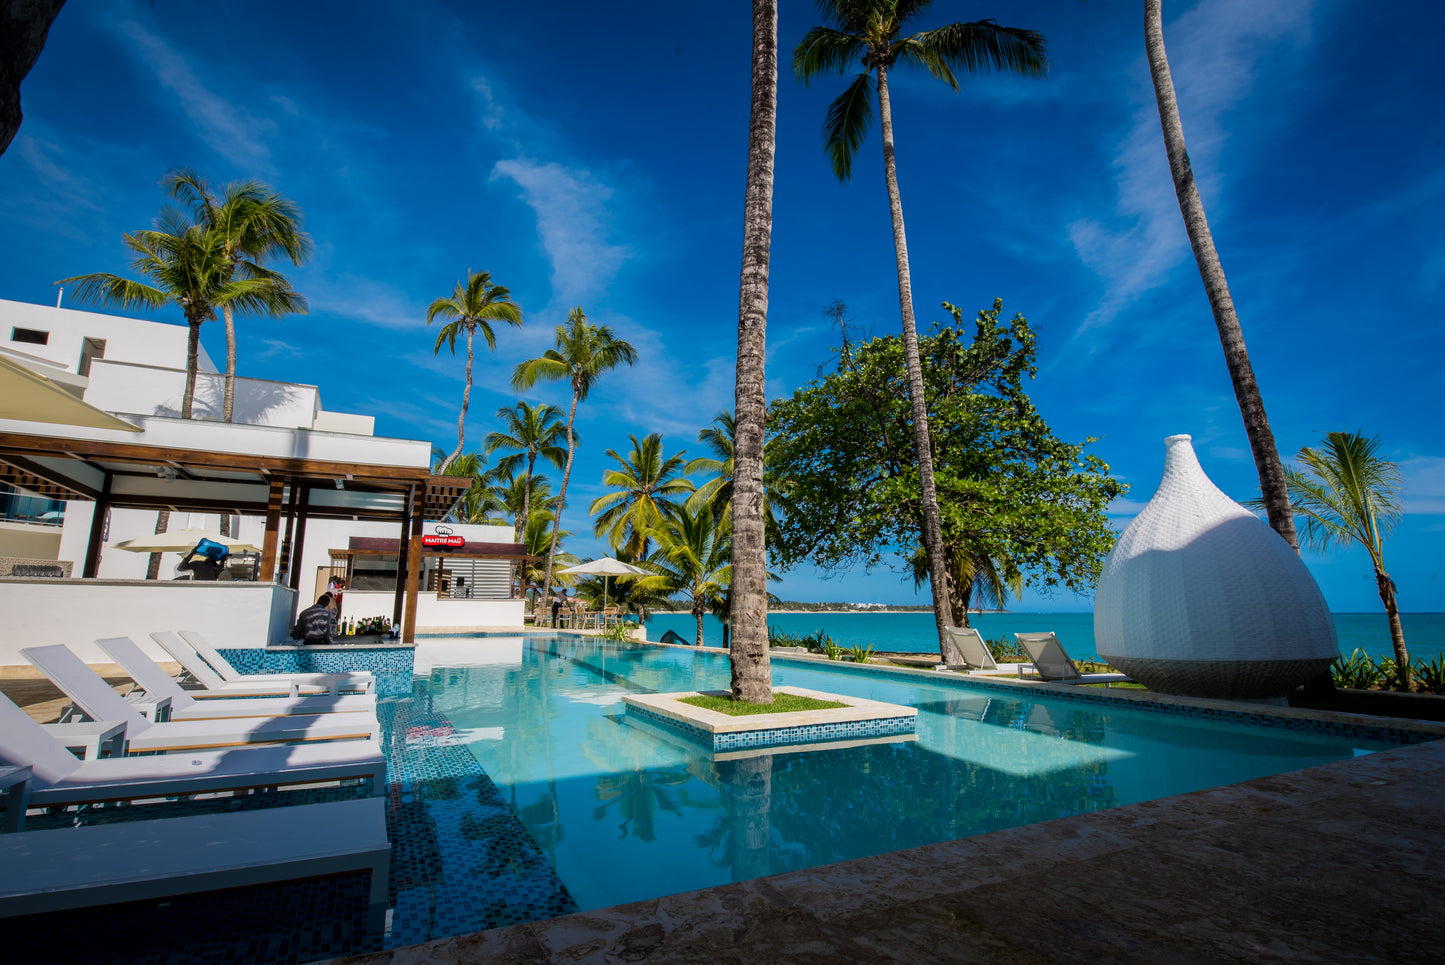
column 1008, row 489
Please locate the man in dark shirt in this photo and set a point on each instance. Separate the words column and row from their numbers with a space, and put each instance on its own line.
column 314, row 624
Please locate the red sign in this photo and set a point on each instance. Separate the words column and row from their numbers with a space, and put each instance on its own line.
column 431, row 540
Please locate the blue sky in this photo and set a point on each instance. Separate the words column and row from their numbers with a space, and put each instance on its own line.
column 586, row 158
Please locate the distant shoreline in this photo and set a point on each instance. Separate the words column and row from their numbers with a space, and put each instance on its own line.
column 872, row 610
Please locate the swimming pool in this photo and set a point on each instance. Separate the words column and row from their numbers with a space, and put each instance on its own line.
column 522, row 791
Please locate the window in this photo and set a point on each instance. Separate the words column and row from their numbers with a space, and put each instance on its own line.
column 30, row 336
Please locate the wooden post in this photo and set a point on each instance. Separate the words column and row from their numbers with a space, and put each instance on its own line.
column 303, row 506
column 403, row 545
column 97, row 531
column 273, row 523
column 413, row 567
column 284, row 565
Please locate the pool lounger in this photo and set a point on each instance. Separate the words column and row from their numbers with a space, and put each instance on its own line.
column 185, row 706
column 977, row 659
column 217, row 666
column 60, row 778
column 67, row 868
column 1052, row 662
column 99, row 702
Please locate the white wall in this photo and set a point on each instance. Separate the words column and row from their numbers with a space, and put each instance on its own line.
column 78, row 612
column 31, row 542
column 150, row 390
column 126, row 339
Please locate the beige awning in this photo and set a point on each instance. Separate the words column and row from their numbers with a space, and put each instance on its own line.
column 28, row 396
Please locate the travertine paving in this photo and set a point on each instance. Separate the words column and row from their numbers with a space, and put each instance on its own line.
column 1339, row 863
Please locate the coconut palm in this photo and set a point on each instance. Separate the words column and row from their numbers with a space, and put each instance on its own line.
column 694, row 560
column 980, row 581
column 254, row 223
column 751, row 672
column 529, row 431
column 471, row 309
column 1347, row 495
column 523, row 495
column 1273, row 485
column 482, row 502
column 869, row 33
column 584, row 351
column 646, row 484
column 541, row 538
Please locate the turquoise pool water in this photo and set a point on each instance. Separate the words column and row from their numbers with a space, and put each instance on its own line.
column 624, row 812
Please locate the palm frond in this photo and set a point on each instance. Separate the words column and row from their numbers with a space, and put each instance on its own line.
column 824, row 50
column 846, row 124
column 979, row 47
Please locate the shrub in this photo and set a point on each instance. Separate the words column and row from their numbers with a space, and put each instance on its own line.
column 860, row 653
column 1394, row 675
column 1006, row 651
column 1431, row 676
column 1357, row 672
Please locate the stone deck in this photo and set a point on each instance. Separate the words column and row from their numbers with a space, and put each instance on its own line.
column 1339, row 863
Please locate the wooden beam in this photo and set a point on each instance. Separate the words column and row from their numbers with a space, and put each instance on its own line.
column 296, row 555
column 403, row 555
column 283, row 565
column 413, row 570
column 273, row 524
column 73, row 488
column 97, row 532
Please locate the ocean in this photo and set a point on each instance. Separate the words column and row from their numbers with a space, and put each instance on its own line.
column 913, row 631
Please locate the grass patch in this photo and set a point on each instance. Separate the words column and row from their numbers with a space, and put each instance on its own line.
column 782, row 704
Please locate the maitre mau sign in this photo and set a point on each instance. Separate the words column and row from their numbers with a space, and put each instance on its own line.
column 443, row 537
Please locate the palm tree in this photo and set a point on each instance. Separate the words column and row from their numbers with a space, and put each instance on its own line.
column 752, row 678
column 869, row 32
column 584, row 351
column 482, row 502
column 646, row 482
column 254, row 223
column 529, row 431
column 975, row 579
column 1348, row 495
column 538, row 536
column 721, row 438
column 1273, row 485
column 471, row 309
column 524, row 495
column 694, row 559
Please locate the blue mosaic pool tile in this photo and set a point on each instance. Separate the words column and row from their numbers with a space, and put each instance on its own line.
column 780, row 736
column 392, row 666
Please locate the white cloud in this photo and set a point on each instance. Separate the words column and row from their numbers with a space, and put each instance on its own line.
column 47, row 160
column 365, row 300
column 224, row 127
column 571, row 206
column 489, row 111
column 1423, row 482
column 1213, row 53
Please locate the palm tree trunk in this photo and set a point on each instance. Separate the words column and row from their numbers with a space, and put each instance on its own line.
column 1273, row 487
column 466, row 401
column 228, row 405
column 524, row 515
column 922, row 439
column 153, row 565
column 752, row 678
column 193, row 348
column 697, row 612
column 1386, row 587
column 561, row 500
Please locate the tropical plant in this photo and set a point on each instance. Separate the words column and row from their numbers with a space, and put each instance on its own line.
column 693, row 560
column 1394, row 673
column 1346, row 494
column 523, row 495
column 254, row 223
column 584, row 351
column 472, row 308
column 975, row 578
column 646, row 483
column 1357, row 671
column 829, row 647
column 752, row 678
column 859, row 653
column 483, row 502
column 542, row 539
column 1430, row 676
column 870, row 33
column 1272, row 482
column 529, row 432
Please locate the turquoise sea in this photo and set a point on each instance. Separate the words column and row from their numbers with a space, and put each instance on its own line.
column 913, row 631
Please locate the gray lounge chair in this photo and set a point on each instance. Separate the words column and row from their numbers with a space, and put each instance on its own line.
column 1052, row 663
column 99, row 702
column 69, row 868
column 976, row 656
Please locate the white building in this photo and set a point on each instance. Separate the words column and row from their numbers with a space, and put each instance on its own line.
column 136, row 370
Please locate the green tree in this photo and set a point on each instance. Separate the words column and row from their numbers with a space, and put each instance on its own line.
column 752, row 678
column 584, row 351
column 1274, row 488
column 529, row 432
column 522, row 495
column 646, row 483
column 471, row 309
column 1009, row 491
column 1344, row 495
column 482, row 502
column 693, row 560
column 543, row 540
column 254, row 223
column 869, row 33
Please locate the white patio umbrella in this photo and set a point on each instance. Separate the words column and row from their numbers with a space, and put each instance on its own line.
column 180, row 540
column 606, row 567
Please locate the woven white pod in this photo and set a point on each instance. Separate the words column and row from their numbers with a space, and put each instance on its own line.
column 1200, row 597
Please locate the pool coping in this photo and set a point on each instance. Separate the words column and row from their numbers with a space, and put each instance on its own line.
column 859, row 717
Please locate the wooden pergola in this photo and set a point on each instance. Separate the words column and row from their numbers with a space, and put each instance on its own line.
column 246, row 470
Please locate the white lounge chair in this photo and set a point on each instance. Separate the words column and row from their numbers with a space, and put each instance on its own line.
column 99, row 702
column 67, row 868
column 358, row 681
column 185, row 706
column 1052, row 663
column 59, row 778
column 977, row 659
